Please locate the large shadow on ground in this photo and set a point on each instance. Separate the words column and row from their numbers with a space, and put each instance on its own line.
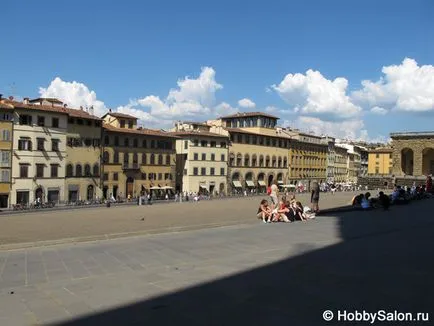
column 385, row 261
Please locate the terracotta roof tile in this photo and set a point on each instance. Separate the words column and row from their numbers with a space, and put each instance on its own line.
column 197, row 133
column 144, row 131
column 48, row 108
column 119, row 115
column 81, row 114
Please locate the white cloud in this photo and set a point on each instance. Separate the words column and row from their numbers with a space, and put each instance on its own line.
column 74, row 94
column 193, row 97
column 312, row 94
column 341, row 129
column 246, row 103
column 404, row 87
column 225, row 109
column 379, row 110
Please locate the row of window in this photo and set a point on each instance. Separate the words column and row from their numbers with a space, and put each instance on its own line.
column 308, row 160
column 82, row 122
column 26, row 119
column 204, row 143
column 274, row 162
column 78, row 170
column 158, row 144
column 203, row 171
column 25, row 144
column 83, row 142
column 6, row 135
column 6, row 116
column 211, row 157
column 378, row 155
column 251, row 122
column 153, row 158
column 40, row 171
column 145, row 176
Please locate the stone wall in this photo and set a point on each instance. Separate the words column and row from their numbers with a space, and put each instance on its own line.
column 417, row 145
column 388, row 182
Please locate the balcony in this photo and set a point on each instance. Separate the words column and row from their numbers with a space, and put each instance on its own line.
column 130, row 166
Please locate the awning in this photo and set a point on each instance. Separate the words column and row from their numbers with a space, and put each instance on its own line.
column 166, row 187
column 250, row 183
column 237, row 184
column 261, row 182
column 280, row 182
column 155, row 188
column 288, row 186
column 203, row 187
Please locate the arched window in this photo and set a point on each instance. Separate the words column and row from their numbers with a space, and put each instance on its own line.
column 261, row 160
column 254, row 160
column 106, row 157
column 126, row 157
column 167, row 159
column 126, row 142
column 285, row 162
column 231, row 159
column 135, row 158
column 267, row 161
column 69, row 170
column 87, row 170
column 116, row 157
column 144, row 158
column 239, row 159
column 160, row 159
column 152, row 161
column 96, row 170
column 246, row 160
column 78, row 170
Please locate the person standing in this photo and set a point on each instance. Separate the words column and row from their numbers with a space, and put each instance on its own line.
column 314, row 197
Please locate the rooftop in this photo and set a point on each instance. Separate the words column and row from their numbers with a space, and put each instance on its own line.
column 81, row 114
column 139, row 131
column 197, row 133
column 119, row 115
column 381, row 150
column 412, row 134
column 38, row 107
column 194, row 123
column 249, row 114
column 48, row 99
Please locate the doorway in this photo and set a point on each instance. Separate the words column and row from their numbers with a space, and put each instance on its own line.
column 90, row 192
column 270, row 179
column 130, row 187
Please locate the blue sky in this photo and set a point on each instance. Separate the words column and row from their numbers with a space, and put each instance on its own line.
column 129, row 55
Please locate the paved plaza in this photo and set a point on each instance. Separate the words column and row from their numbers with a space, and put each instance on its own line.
column 88, row 224
column 244, row 274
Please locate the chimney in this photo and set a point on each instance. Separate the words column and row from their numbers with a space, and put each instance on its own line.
column 81, row 108
column 110, row 110
column 11, row 98
column 65, row 105
column 26, row 100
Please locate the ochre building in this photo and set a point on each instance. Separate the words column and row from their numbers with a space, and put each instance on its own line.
column 6, row 115
column 136, row 160
column 380, row 161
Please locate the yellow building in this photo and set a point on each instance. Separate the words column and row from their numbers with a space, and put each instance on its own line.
column 6, row 115
column 201, row 161
column 258, row 152
column 83, row 150
column 136, row 160
column 380, row 161
column 340, row 174
column 307, row 158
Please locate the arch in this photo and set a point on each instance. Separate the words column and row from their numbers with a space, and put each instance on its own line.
column 261, row 161
column 236, row 176
column 152, row 159
column 407, row 157
column 246, row 160
column 105, row 157
column 144, row 158
column 222, row 188
column 168, row 159
column 428, row 161
column 96, row 170
column 69, row 170
column 116, row 157
column 285, row 162
column 270, row 179
column 279, row 177
column 239, row 159
column 160, row 159
column 135, row 158
column 78, row 170
column 126, row 157
column 261, row 176
column 273, row 161
column 231, row 159
column 267, row 161
column 90, row 192
column 87, row 172
column 254, row 160
column 279, row 161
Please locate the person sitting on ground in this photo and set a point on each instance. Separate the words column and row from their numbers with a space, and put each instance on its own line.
column 365, row 203
column 395, row 194
column 357, row 200
column 384, row 200
column 264, row 212
column 284, row 211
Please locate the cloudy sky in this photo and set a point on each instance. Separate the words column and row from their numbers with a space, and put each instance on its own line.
column 349, row 69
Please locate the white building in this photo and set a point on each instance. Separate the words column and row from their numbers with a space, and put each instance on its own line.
column 39, row 151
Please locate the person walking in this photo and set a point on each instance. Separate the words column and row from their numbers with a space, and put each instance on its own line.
column 274, row 190
column 314, row 197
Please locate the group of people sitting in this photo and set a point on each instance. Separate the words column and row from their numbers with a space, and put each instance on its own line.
column 287, row 210
column 399, row 196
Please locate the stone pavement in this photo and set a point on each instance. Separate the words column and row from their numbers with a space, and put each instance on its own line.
column 44, row 228
column 250, row 274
